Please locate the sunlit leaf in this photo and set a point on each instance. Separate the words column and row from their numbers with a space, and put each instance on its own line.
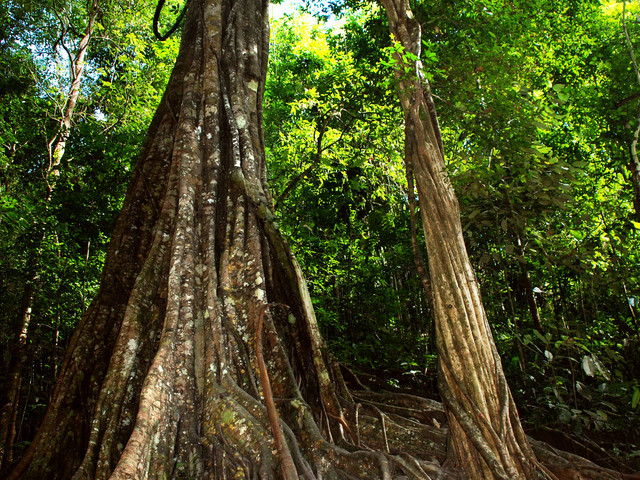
column 588, row 365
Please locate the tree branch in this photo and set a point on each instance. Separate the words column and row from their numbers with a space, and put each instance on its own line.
column 318, row 157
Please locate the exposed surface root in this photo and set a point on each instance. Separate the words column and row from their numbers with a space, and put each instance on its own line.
column 414, row 433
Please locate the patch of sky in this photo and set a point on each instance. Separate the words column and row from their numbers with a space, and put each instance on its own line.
column 291, row 7
column 287, row 7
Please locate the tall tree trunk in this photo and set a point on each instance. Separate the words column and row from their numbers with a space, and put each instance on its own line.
column 58, row 144
column 485, row 435
column 634, row 168
column 10, row 395
column 525, row 278
column 56, row 147
column 166, row 375
column 415, row 246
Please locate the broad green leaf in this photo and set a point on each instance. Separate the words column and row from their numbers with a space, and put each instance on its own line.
column 541, row 337
column 577, row 234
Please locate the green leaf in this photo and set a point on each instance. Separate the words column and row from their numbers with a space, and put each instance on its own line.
column 564, row 416
column 541, row 337
column 474, row 214
column 635, row 399
column 577, row 234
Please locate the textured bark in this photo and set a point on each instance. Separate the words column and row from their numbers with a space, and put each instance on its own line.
column 166, row 375
column 415, row 247
column 485, row 434
column 200, row 357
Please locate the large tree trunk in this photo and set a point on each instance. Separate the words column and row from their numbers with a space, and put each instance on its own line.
column 485, row 435
column 165, row 376
column 168, row 375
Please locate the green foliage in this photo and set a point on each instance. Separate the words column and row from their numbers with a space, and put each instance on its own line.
column 333, row 148
column 570, row 386
column 58, row 244
column 538, row 103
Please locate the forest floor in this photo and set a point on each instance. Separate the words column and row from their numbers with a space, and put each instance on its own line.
column 612, row 445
